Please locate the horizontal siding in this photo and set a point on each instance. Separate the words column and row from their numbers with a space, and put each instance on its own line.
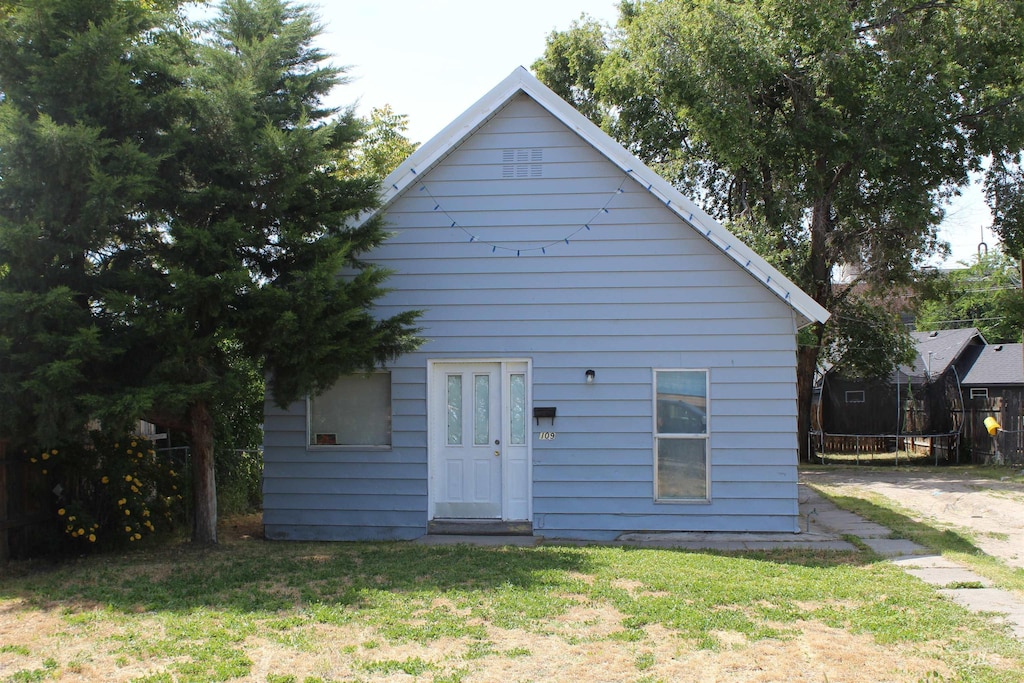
column 636, row 291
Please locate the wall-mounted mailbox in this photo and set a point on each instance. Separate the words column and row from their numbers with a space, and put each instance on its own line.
column 545, row 413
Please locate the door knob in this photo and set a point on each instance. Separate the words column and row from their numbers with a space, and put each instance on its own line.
column 497, row 453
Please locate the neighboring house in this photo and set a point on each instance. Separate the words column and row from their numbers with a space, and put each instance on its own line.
column 994, row 371
column 601, row 356
column 993, row 386
column 920, row 398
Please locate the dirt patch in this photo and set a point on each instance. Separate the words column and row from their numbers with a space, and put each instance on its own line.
column 991, row 510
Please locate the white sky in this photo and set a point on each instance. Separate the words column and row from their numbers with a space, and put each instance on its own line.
column 432, row 59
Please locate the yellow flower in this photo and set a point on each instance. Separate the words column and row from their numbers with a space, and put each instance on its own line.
column 54, row 451
column 33, row 460
column 133, row 444
column 127, row 477
column 121, row 502
column 139, row 454
column 127, row 528
column 72, row 518
column 127, row 512
column 152, row 452
column 81, row 532
column 145, row 513
column 105, row 480
column 44, row 472
column 61, row 512
column 137, row 482
column 92, row 538
column 131, row 538
column 116, row 445
column 173, row 474
column 138, row 536
column 135, row 489
column 45, row 456
column 174, row 488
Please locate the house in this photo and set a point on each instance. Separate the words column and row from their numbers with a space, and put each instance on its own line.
column 601, row 356
column 920, row 398
column 993, row 386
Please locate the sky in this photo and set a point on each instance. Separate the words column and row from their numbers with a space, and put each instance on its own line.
column 432, row 59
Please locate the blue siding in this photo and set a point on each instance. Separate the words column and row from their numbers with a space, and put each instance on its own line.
column 639, row 290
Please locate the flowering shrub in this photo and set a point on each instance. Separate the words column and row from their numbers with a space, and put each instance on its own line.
column 112, row 490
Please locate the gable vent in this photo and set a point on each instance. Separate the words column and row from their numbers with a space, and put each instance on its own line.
column 522, row 163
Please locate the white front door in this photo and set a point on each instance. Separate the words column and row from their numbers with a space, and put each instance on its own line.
column 478, row 440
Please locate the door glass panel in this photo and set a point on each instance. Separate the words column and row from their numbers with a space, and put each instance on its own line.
column 454, row 410
column 481, row 409
column 517, row 389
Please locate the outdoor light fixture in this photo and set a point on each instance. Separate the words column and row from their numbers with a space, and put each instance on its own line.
column 590, row 374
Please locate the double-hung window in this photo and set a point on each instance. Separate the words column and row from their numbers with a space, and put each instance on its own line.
column 681, row 435
column 356, row 411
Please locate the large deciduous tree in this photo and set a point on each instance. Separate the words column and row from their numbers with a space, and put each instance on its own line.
column 210, row 235
column 826, row 132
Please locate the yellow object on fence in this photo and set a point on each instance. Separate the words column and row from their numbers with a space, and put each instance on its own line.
column 992, row 426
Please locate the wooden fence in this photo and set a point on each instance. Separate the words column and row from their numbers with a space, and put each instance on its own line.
column 22, row 507
column 1007, row 446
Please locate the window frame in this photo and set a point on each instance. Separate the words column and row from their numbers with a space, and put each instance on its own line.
column 705, row 437
column 855, row 392
column 982, row 392
column 310, row 446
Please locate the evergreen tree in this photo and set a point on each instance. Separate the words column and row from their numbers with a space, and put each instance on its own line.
column 173, row 216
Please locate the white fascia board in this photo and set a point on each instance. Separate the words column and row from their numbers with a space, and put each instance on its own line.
column 520, row 80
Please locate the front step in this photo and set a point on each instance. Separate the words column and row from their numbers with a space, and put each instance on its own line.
column 479, row 527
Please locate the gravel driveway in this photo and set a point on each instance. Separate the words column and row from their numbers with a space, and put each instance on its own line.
column 992, row 510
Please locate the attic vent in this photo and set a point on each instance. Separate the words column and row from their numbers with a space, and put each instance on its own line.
column 522, row 163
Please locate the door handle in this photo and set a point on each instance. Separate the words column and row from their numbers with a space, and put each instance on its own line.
column 497, row 453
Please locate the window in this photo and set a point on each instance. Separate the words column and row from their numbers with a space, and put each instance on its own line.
column 855, row 396
column 356, row 411
column 681, row 435
column 979, row 392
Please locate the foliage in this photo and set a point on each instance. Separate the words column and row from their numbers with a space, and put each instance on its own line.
column 384, row 145
column 985, row 294
column 110, row 490
column 173, row 224
column 833, row 129
column 866, row 340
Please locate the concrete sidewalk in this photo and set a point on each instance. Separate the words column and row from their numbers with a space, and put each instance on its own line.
column 823, row 526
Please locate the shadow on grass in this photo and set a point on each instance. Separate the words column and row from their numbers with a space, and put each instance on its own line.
column 904, row 526
column 260, row 576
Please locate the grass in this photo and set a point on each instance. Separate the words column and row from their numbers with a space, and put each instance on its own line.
column 325, row 612
column 955, row 543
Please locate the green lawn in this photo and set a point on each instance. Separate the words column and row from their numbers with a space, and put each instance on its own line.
column 277, row 612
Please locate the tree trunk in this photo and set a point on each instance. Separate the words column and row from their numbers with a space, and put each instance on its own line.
column 806, row 362
column 204, row 486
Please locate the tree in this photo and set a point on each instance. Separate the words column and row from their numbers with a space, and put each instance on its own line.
column 236, row 249
column 830, row 130
column 984, row 294
column 384, row 145
column 87, row 92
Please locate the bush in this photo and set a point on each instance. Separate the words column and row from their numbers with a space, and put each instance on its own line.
column 111, row 490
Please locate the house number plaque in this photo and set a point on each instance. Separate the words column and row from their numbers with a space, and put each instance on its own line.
column 547, row 436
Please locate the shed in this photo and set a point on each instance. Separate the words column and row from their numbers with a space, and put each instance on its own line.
column 601, row 356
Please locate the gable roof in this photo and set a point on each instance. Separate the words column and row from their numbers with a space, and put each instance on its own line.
column 996, row 364
column 937, row 350
column 521, row 81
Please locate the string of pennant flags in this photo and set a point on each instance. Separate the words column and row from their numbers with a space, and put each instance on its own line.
column 495, row 246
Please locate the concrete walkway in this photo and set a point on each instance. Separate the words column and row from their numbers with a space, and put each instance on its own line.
column 957, row 582
column 823, row 526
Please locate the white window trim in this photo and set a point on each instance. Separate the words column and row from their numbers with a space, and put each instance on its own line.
column 852, row 394
column 705, row 437
column 350, row 447
column 979, row 392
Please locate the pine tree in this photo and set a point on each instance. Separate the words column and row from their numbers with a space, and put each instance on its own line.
column 172, row 215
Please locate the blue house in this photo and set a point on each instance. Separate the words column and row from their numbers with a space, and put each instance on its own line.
column 601, row 356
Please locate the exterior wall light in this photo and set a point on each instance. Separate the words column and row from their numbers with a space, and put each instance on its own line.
column 590, row 375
